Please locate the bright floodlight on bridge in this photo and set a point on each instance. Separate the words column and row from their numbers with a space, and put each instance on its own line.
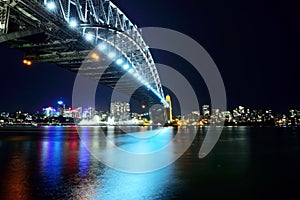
column 27, row 62
column 131, row 71
column 89, row 37
column 51, row 5
column 73, row 23
column 120, row 61
column 126, row 66
column 111, row 55
column 102, row 47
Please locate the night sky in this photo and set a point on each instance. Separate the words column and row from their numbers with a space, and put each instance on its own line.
column 255, row 45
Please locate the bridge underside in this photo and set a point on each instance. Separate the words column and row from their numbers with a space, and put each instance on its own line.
column 46, row 36
column 71, row 55
column 46, row 39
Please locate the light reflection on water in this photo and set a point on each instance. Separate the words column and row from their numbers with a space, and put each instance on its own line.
column 143, row 142
column 120, row 185
column 112, row 184
column 53, row 163
column 154, row 150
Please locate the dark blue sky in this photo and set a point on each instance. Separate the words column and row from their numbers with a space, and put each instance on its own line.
column 255, row 45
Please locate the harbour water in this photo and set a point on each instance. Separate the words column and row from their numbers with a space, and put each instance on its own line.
column 246, row 163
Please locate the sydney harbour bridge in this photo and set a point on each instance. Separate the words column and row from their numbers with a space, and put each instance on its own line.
column 64, row 32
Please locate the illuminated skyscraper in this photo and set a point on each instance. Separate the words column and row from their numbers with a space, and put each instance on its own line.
column 169, row 109
column 205, row 110
column 120, row 111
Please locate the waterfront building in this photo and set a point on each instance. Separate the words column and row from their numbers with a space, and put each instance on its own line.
column 120, row 111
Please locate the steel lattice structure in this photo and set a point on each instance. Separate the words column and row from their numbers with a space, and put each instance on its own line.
column 56, row 31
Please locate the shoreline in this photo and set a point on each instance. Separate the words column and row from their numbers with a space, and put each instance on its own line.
column 106, row 125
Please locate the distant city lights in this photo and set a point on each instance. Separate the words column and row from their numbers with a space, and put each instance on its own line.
column 239, row 116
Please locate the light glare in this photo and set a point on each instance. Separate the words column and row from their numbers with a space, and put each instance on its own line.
column 89, row 37
column 119, row 61
column 51, row 5
column 126, row 66
column 73, row 24
column 111, row 55
column 102, row 47
column 95, row 56
column 27, row 62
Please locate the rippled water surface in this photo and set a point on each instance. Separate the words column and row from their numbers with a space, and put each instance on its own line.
column 53, row 163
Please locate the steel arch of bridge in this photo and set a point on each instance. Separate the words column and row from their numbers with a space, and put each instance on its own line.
column 100, row 19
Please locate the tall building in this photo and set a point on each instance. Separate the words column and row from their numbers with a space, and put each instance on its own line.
column 241, row 109
column 205, row 110
column 120, row 111
column 158, row 114
column 50, row 112
column 169, row 109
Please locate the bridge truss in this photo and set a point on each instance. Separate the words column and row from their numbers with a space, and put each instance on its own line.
column 65, row 31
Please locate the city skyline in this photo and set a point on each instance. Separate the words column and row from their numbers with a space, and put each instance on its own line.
column 120, row 113
column 203, row 109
